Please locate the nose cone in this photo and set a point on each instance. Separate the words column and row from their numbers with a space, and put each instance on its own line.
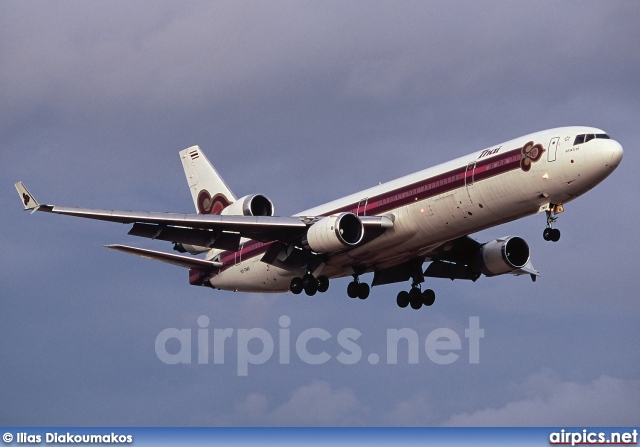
column 612, row 154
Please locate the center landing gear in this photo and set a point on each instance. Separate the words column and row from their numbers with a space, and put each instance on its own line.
column 550, row 233
column 309, row 284
column 416, row 298
column 357, row 289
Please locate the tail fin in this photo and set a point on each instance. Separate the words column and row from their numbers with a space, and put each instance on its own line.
column 209, row 192
column 28, row 200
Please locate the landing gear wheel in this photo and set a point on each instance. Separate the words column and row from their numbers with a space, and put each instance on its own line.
column 310, row 284
column 403, row 299
column 428, row 297
column 550, row 233
column 415, row 298
column 352, row 289
column 296, row 286
column 416, row 303
column 363, row 290
column 415, row 293
column 323, row 284
column 311, row 289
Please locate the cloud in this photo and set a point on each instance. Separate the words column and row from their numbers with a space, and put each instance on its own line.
column 605, row 401
column 316, row 404
column 413, row 412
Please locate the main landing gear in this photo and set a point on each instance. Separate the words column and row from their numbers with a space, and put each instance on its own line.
column 309, row 284
column 357, row 289
column 550, row 233
column 415, row 297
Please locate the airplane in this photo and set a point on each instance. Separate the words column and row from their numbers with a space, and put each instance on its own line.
column 391, row 229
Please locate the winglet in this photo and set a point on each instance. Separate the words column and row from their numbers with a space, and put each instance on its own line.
column 29, row 202
column 528, row 269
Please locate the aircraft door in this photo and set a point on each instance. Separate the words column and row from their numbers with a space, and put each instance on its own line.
column 469, row 179
column 362, row 207
column 553, row 149
column 238, row 254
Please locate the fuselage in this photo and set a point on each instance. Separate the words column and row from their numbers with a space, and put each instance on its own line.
column 495, row 185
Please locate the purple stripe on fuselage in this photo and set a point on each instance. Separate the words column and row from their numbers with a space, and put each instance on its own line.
column 402, row 196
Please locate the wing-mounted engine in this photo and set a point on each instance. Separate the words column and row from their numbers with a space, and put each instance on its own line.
column 251, row 205
column 330, row 234
column 334, row 233
column 500, row 256
column 465, row 258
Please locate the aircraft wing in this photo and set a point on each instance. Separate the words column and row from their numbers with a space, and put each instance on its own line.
column 207, row 230
column 262, row 228
column 455, row 260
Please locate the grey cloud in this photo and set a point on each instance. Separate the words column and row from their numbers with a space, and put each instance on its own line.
column 314, row 404
column 605, row 401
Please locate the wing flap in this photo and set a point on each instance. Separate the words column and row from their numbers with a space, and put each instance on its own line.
column 203, row 238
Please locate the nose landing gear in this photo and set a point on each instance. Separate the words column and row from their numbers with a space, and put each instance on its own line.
column 550, row 233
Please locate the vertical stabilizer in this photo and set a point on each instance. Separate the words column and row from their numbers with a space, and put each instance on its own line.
column 209, row 192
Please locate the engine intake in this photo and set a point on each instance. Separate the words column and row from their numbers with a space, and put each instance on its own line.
column 251, row 205
column 334, row 233
column 502, row 256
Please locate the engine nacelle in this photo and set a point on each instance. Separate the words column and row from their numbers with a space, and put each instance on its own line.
column 188, row 248
column 502, row 256
column 334, row 233
column 251, row 205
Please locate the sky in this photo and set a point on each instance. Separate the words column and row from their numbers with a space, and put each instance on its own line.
column 306, row 102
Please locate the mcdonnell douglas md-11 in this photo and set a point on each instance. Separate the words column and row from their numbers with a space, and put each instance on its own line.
column 391, row 230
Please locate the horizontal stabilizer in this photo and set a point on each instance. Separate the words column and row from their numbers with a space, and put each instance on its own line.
column 179, row 260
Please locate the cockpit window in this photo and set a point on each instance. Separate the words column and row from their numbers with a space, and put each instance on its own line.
column 588, row 137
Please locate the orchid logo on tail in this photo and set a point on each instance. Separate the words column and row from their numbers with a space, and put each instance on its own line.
column 211, row 205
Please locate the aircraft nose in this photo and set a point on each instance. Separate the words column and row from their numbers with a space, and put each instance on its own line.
column 612, row 153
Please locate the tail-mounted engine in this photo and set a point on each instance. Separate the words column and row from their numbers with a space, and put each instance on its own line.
column 251, row 205
column 334, row 233
column 502, row 256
